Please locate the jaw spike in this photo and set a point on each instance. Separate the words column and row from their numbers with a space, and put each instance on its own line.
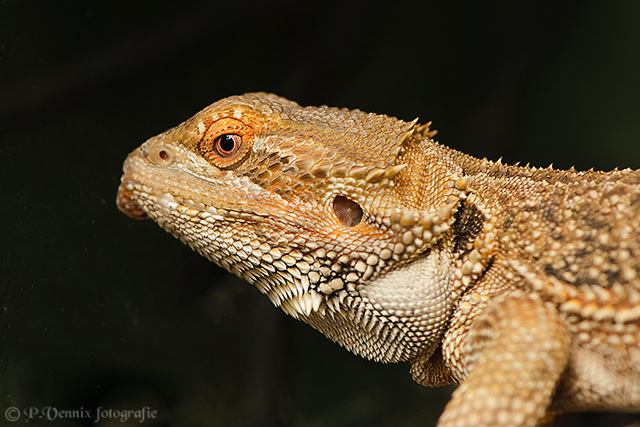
column 392, row 171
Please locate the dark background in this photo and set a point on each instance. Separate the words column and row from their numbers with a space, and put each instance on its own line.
column 99, row 310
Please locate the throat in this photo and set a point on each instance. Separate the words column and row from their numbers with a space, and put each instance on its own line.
column 395, row 317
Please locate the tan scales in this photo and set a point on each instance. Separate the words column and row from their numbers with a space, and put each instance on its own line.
column 521, row 284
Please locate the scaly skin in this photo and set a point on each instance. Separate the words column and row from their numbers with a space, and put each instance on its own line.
column 521, row 284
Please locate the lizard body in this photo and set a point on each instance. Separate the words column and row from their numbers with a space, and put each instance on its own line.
column 521, row 284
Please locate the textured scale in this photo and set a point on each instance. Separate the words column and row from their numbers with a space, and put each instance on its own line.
column 521, row 284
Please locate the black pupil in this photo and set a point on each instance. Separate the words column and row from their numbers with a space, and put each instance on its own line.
column 227, row 143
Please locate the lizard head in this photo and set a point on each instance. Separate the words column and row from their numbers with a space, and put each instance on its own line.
column 321, row 208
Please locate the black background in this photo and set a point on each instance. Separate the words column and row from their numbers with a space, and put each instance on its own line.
column 99, row 310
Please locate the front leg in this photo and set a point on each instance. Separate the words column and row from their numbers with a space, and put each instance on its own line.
column 512, row 357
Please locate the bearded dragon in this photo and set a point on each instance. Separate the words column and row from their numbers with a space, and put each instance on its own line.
column 521, row 284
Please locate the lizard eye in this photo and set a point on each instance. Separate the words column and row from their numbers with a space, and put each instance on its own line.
column 226, row 143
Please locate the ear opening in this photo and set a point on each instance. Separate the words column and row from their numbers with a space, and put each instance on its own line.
column 348, row 212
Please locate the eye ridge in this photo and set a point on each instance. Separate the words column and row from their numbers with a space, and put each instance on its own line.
column 227, row 144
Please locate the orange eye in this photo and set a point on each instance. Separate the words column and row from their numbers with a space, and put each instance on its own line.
column 226, row 143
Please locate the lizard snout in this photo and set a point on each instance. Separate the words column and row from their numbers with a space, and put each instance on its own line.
column 124, row 199
column 126, row 204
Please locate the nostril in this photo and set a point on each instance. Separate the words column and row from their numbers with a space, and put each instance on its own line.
column 347, row 211
column 160, row 155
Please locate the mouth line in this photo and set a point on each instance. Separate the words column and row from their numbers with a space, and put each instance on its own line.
column 131, row 195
